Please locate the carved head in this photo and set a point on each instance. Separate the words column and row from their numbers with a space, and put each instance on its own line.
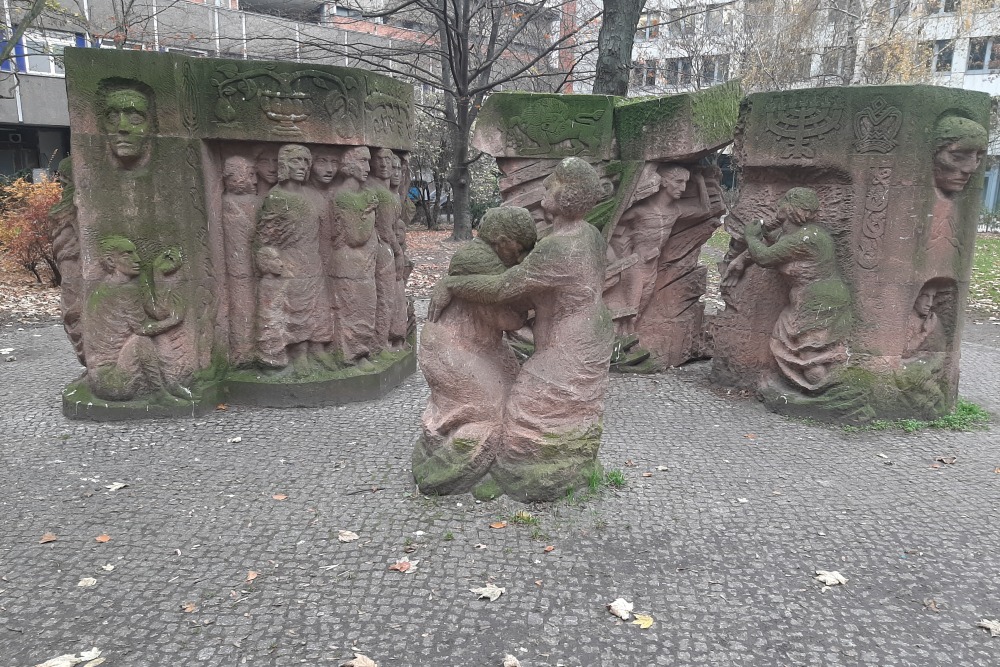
column 396, row 175
column 294, row 163
column 325, row 164
column 356, row 163
column 510, row 231
column 674, row 179
column 128, row 125
column 925, row 301
column 959, row 148
column 571, row 190
column 239, row 175
column 382, row 164
column 798, row 206
column 119, row 256
column 267, row 166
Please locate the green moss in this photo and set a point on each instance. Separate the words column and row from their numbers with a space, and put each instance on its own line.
column 464, row 445
column 487, row 489
column 634, row 117
column 714, row 111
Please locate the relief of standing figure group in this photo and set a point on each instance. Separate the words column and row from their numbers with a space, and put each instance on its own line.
column 315, row 257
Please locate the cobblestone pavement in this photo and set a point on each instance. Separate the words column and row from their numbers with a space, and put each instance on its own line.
column 720, row 548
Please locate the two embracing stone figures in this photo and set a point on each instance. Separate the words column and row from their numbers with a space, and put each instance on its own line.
column 493, row 426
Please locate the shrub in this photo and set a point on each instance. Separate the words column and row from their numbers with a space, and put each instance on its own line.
column 25, row 228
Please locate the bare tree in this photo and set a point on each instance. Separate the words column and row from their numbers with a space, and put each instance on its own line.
column 466, row 49
column 614, row 46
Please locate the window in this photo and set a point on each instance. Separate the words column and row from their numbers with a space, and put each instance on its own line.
column 942, row 6
column 644, row 73
column 649, row 26
column 940, row 54
column 681, row 21
column 677, row 71
column 714, row 69
column 43, row 51
column 714, row 20
column 984, row 54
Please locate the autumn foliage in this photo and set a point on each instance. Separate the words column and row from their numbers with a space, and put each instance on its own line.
column 25, row 229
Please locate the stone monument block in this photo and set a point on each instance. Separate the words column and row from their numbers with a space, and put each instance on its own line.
column 852, row 246
column 661, row 199
column 225, row 223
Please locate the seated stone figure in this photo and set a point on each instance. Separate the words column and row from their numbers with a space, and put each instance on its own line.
column 123, row 318
column 552, row 423
column 467, row 363
column 808, row 340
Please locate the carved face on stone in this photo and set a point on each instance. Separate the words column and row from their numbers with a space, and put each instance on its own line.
column 396, row 175
column 798, row 207
column 294, row 163
column 267, row 167
column 356, row 163
column 382, row 164
column 510, row 231
column 128, row 125
column 119, row 256
column 571, row 190
column 324, row 166
column 674, row 181
column 960, row 148
column 925, row 301
column 239, row 176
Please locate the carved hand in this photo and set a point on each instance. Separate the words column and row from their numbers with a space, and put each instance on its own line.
column 440, row 298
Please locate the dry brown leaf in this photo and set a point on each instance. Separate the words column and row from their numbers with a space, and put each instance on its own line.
column 549, row 549
column 48, row 537
column 538, row 582
column 360, row 660
column 647, row 474
column 935, row 465
column 498, row 524
column 404, row 564
column 189, row 607
column 490, row 591
column 347, row 536
column 280, row 496
column 997, row 470
column 222, row 407
column 947, row 460
column 251, row 575
column 103, row 538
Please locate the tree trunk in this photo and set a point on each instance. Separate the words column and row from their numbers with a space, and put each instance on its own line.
column 459, row 177
column 56, row 274
column 614, row 46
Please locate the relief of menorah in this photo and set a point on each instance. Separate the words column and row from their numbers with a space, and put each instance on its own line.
column 797, row 128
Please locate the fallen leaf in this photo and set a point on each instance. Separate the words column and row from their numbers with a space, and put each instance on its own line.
column 280, row 496
column 222, row 407
column 621, row 608
column 935, row 465
column 997, row 470
column 404, row 564
column 833, row 578
column 251, row 575
column 629, row 463
column 538, row 582
column 108, row 568
column 931, row 604
column 490, row 591
column 346, row 536
column 103, row 538
column 748, row 436
column 236, row 439
column 95, row 663
column 87, row 582
column 662, row 468
column 647, row 474
column 992, row 625
column 480, row 546
column 48, row 537
column 189, row 607
column 549, row 549
column 360, row 660
column 116, row 486
column 70, row 659
column 511, row 661
column 947, row 460
column 498, row 524
column 643, row 621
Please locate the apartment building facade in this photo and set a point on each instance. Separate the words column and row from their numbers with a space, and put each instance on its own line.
column 34, row 117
